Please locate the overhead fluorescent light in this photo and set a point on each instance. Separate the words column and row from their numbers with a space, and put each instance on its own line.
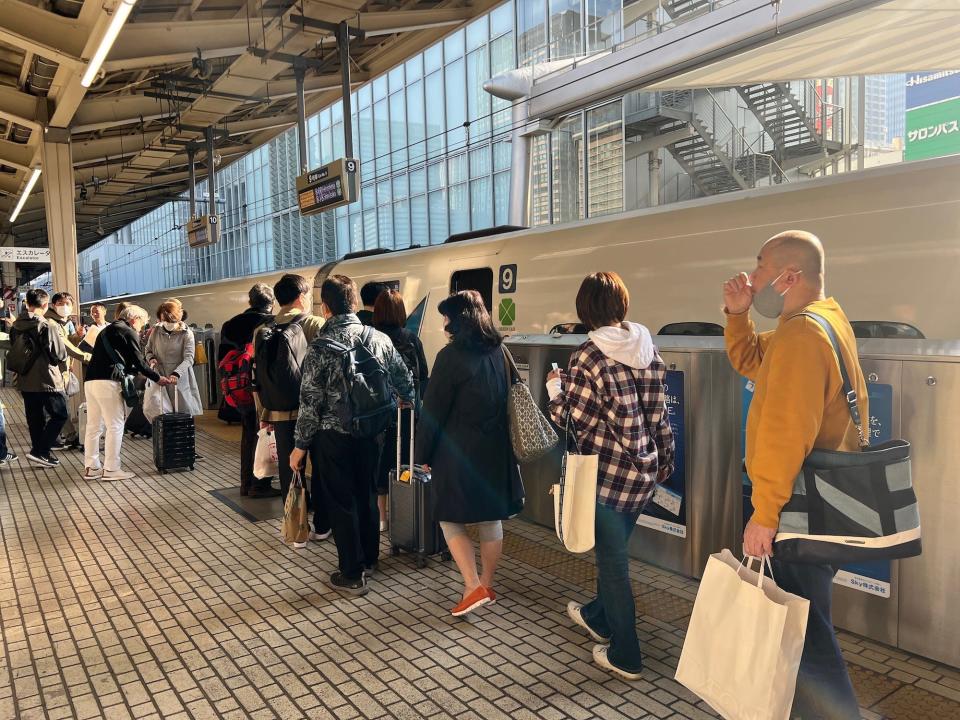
column 120, row 14
column 26, row 193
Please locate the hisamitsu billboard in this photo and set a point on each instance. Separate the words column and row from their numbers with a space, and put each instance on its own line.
column 933, row 115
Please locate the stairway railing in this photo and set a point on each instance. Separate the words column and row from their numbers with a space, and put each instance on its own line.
column 728, row 137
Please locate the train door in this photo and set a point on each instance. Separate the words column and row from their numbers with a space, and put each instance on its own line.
column 479, row 279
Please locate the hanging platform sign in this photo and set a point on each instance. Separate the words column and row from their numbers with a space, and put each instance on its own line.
column 24, row 254
column 203, row 231
column 329, row 186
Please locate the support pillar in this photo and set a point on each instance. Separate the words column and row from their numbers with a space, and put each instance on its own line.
column 58, row 189
column 300, row 73
column 655, row 164
column 211, row 173
column 861, row 121
column 520, row 165
column 343, row 45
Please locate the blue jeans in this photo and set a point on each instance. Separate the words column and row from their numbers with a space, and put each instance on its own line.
column 612, row 613
column 824, row 691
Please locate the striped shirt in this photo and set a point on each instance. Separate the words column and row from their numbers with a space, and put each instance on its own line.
column 618, row 413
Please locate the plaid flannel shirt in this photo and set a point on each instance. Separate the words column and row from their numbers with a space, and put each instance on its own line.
column 630, row 434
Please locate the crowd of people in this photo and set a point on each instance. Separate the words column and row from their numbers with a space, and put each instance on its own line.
column 610, row 398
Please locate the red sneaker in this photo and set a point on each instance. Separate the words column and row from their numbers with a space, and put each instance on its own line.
column 477, row 598
column 493, row 595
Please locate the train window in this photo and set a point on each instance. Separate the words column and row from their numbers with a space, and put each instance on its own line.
column 569, row 329
column 479, row 279
column 703, row 329
column 415, row 318
column 885, row 329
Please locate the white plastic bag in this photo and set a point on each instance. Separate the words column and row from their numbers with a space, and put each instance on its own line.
column 265, row 462
column 743, row 646
column 73, row 384
column 156, row 401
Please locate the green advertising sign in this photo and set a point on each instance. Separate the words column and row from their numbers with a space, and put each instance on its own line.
column 933, row 130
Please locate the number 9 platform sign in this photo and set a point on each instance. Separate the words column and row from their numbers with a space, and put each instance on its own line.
column 667, row 511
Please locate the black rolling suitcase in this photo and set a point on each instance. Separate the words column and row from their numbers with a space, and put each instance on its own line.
column 174, row 440
column 412, row 525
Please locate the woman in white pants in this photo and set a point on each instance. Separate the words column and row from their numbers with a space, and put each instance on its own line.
column 117, row 351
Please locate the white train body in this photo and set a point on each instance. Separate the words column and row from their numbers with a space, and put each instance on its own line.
column 892, row 239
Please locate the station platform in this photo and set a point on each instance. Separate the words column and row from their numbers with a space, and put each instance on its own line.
column 167, row 596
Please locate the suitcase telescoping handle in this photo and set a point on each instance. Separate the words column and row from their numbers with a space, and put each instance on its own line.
column 400, row 439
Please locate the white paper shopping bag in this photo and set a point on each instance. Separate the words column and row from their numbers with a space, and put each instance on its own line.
column 743, row 646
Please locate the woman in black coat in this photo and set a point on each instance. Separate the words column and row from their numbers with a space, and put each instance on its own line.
column 464, row 439
column 389, row 317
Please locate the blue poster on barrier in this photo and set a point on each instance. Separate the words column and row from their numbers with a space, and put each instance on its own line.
column 667, row 512
column 873, row 577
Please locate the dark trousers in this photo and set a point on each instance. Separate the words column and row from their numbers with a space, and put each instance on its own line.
column 283, row 432
column 46, row 415
column 349, row 465
column 824, row 690
column 612, row 613
column 249, row 427
column 3, row 435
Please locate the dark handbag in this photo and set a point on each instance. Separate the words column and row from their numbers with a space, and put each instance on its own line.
column 850, row 507
column 128, row 385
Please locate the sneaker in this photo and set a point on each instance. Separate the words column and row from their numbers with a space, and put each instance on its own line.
column 299, row 545
column 384, row 526
column 114, row 475
column 47, row 461
column 58, row 445
column 320, row 536
column 9, row 459
column 351, row 587
column 477, row 598
column 92, row 473
column 601, row 659
column 371, row 570
column 493, row 595
column 575, row 611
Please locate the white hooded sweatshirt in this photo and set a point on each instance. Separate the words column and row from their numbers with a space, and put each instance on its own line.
column 630, row 344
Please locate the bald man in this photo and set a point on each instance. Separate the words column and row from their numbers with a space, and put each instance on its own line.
column 798, row 404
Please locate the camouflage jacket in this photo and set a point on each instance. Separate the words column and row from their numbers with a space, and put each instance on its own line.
column 322, row 376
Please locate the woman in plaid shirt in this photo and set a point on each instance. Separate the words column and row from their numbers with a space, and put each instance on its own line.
column 613, row 396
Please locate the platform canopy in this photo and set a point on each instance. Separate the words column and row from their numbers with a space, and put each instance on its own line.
column 178, row 66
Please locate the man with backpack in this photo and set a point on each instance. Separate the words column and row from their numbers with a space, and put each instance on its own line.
column 351, row 378
column 280, row 347
column 236, row 382
column 36, row 352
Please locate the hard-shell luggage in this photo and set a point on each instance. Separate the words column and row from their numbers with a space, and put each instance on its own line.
column 413, row 527
column 174, row 440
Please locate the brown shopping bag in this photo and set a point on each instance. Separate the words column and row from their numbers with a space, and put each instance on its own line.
column 743, row 645
column 295, row 526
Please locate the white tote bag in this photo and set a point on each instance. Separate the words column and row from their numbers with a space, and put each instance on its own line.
column 156, row 401
column 743, row 646
column 265, row 462
column 575, row 499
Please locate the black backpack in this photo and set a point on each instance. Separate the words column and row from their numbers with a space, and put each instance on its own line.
column 26, row 349
column 411, row 358
column 278, row 361
column 367, row 403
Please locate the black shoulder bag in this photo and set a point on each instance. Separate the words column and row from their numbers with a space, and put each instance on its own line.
column 128, row 387
column 850, row 507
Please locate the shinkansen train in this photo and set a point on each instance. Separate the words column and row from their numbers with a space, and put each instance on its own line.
column 891, row 234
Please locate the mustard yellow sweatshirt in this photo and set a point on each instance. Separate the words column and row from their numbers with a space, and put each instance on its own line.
column 798, row 402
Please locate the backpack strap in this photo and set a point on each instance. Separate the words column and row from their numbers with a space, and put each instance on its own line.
column 848, row 391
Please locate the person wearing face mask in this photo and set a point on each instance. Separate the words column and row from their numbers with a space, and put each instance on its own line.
column 170, row 351
column 44, row 400
column 117, row 343
column 59, row 312
column 798, row 404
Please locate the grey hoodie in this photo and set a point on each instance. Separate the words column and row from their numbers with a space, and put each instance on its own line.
column 44, row 375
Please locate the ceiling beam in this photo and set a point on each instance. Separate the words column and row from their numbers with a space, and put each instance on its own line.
column 15, row 155
column 43, row 33
column 19, row 107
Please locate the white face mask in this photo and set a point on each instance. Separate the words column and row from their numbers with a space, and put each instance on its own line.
column 169, row 326
column 64, row 310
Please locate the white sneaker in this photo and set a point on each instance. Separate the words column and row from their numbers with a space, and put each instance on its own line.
column 299, row 545
column 92, row 473
column 114, row 475
column 575, row 611
column 601, row 659
column 320, row 536
column 384, row 525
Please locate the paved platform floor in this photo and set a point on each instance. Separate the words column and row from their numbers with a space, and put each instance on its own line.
column 155, row 599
